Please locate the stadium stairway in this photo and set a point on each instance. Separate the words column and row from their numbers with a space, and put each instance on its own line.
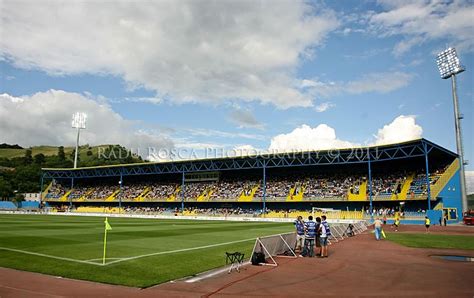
column 141, row 197
column 175, row 194
column 361, row 196
column 65, row 196
column 205, row 195
column 111, row 198
column 444, row 179
column 46, row 190
column 294, row 195
column 84, row 197
column 248, row 197
column 405, row 188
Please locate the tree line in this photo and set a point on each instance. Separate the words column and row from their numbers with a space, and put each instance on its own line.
column 22, row 174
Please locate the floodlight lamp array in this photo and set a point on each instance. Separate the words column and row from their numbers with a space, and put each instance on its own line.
column 448, row 63
column 79, row 120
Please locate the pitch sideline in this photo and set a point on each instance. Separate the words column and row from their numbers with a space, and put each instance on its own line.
column 49, row 256
column 177, row 250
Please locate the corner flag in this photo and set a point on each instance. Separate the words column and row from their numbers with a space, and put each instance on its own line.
column 107, row 225
column 107, row 228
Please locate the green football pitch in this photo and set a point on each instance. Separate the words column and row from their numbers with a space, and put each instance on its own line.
column 140, row 252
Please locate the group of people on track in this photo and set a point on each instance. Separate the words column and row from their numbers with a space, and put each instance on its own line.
column 312, row 233
column 378, row 226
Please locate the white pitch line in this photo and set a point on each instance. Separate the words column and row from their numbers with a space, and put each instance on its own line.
column 100, row 259
column 49, row 256
column 177, row 250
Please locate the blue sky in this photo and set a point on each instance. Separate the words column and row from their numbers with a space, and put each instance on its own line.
column 252, row 75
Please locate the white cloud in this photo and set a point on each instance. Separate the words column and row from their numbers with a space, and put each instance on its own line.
column 186, row 51
column 419, row 21
column 44, row 118
column 373, row 82
column 323, row 137
column 245, row 119
column 308, row 138
column 403, row 128
column 323, row 107
column 202, row 132
column 469, row 181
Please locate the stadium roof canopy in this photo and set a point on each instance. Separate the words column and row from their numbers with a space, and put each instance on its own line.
column 405, row 150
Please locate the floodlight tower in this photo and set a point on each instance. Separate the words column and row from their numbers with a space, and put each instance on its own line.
column 449, row 66
column 79, row 122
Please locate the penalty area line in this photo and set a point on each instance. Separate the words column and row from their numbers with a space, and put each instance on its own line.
column 177, row 250
column 49, row 256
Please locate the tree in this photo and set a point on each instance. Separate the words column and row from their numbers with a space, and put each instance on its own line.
column 61, row 154
column 39, row 158
column 28, row 157
column 6, row 189
column 73, row 156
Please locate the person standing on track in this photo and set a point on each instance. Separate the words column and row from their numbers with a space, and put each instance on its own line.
column 396, row 224
column 427, row 224
column 299, row 225
column 310, row 236
column 377, row 228
column 325, row 233
column 318, row 236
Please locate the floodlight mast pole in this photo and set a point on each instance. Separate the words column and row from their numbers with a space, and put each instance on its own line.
column 78, row 122
column 77, row 147
column 459, row 144
column 449, row 66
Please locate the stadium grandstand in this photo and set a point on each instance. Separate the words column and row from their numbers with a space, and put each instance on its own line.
column 407, row 179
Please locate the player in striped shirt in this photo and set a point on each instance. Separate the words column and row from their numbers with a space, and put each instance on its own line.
column 299, row 225
column 310, row 236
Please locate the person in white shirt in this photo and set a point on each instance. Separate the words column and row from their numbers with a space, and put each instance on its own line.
column 378, row 228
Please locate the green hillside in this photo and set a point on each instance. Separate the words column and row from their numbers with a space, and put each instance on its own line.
column 20, row 168
column 46, row 150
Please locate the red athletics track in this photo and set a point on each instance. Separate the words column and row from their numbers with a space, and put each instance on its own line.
column 358, row 266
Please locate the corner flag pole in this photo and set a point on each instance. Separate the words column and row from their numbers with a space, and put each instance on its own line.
column 107, row 227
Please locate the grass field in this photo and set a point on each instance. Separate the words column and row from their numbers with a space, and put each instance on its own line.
column 72, row 246
column 432, row 240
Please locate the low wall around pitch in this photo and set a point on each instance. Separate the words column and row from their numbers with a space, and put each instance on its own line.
column 159, row 216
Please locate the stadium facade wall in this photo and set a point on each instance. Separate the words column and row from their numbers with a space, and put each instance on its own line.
column 450, row 196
